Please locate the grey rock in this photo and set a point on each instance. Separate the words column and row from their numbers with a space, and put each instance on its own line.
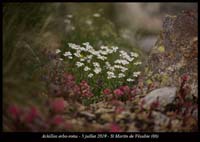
column 165, row 96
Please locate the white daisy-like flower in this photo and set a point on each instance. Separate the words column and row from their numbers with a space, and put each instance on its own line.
column 135, row 74
column 124, row 69
column 115, row 48
column 90, row 56
column 103, row 52
column 90, row 75
column 134, row 54
column 123, row 62
column 86, row 43
column 73, row 46
column 89, row 48
column 67, row 54
column 86, row 68
column 121, row 75
column 61, row 59
column 82, row 59
column 137, row 63
column 107, row 64
column 122, row 52
column 104, row 47
column 96, row 15
column 96, row 53
column 110, row 51
column 110, row 75
column 96, row 64
column 111, row 68
column 130, row 59
column 77, row 53
column 101, row 58
column 79, row 64
column 129, row 80
column 58, row 51
column 117, row 66
column 125, row 56
column 83, row 49
column 117, row 61
column 97, row 70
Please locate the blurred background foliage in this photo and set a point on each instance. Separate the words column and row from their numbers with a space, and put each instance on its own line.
column 30, row 30
column 22, row 24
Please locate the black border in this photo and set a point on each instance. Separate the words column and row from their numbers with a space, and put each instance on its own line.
column 36, row 136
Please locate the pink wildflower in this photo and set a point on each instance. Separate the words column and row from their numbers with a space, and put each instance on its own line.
column 118, row 92
column 85, row 89
column 125, row 89
column 14, row 111
column 106, row 91
column 58, row 105
column 185, row 77
column 114, row 128
column 31, row 115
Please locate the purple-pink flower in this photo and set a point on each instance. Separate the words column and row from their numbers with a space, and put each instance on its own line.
column 85, row 89
column 185, row 77
column 14, row 111
column 114, row 128
column 125, row 89
column 107, row 91
column 31, row 115
column 58, row 105
column 118, row 92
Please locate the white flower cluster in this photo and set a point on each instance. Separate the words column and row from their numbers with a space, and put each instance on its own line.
column 58, row 51
column 111, row 75
column 94, row 62
column 135, row 74
column 79, row 64
column 68, row 54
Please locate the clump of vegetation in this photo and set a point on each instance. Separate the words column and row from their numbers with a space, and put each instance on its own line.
column 94, row 81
